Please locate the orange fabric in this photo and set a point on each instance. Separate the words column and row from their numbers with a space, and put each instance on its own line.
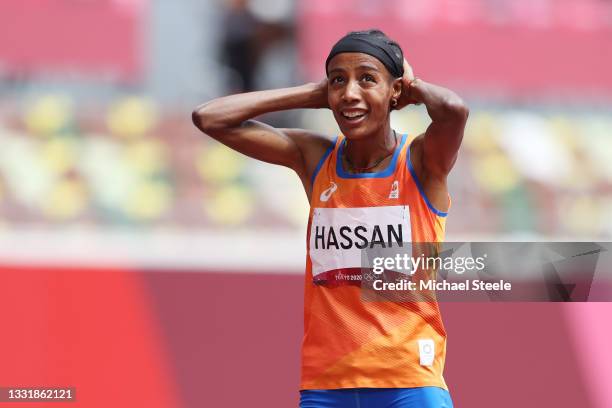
column 348, row 342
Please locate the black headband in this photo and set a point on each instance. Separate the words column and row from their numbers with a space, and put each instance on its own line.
column 376, row 47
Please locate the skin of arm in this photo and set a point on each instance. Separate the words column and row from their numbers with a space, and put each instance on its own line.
column 433, row 153
column 229, row 120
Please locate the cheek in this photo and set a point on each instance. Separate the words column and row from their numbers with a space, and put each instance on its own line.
column 333, row 98
column 379, row 105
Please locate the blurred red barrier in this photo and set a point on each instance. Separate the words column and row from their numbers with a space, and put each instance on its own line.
column 91, row 38
column 91, row 329
column 169, row 339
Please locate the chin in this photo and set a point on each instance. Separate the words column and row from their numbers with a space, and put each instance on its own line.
column 361, row 132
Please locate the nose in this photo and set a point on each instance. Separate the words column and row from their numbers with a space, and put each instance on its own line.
column 351, row 92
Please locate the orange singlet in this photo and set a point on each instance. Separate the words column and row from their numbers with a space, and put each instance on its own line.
column 349, row 342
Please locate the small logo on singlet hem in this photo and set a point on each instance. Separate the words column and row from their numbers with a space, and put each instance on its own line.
column 394, row 190
column 325, row 195
column 427, row 352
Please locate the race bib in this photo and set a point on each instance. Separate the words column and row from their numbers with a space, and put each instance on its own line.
column 338, row 235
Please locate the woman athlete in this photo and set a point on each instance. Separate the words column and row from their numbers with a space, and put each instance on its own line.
column 369, row 186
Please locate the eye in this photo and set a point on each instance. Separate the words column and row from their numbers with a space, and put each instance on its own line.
column 369, row 78
column 336, row 80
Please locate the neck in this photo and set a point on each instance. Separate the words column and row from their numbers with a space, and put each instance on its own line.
column 367, row 152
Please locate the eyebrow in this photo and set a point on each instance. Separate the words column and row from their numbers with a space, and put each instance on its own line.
column 362, row 66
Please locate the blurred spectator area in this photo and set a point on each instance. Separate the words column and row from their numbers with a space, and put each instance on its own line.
column 96, row 96
column 497, row 48
column 536, row 49
column 128, row 164
column 541, row 171
column 103, row 38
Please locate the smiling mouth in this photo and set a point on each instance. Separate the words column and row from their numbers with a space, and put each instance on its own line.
column 353, row 116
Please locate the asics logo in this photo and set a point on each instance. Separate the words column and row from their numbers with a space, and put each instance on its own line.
column 327, row 193
column 394, row 190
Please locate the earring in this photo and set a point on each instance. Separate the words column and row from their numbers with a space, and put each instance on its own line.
column 394, row 102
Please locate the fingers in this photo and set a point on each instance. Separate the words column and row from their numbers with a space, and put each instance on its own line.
column 408, row 73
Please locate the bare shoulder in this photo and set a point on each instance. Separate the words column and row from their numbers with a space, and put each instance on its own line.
column 312, row 147
column 416, row 154
column 311, row 144
column 434, row 185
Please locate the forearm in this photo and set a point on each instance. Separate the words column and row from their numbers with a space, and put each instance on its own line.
column 231, row 111
column 442, row 104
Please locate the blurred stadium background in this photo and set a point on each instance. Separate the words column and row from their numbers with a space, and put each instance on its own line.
column 145, row 264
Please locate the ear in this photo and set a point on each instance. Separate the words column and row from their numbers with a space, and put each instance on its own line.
column 397, row 88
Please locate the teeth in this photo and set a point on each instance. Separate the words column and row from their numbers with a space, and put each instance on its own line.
column 352, row 114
